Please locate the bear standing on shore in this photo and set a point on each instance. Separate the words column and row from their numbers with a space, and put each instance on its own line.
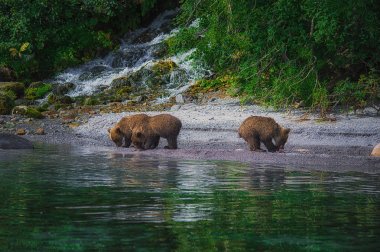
column 123, row 129
column 167, row 126
column 256, row 129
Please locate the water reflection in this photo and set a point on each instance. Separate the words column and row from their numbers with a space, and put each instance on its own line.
column 102, row 199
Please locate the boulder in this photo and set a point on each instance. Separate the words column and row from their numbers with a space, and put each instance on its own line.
column 376, row 151
column 8, row 141
column 6, row 74
column 62, row 89
column 16, row 87
column 126, row 58
column 20, row 110
column 6, row 104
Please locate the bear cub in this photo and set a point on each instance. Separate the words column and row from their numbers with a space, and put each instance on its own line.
column 257, row 129
column 123, row 129
column 146, row 136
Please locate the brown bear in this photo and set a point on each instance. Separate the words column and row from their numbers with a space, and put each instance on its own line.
column 146, row 136
column 123, row 129
column 256, row 129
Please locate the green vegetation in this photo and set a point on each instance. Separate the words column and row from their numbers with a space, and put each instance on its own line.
column 37, row 90
column 281, row 53
column 39, row 38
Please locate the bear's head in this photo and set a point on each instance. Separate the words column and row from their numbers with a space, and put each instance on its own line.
column 116, row 135
column 282, row 138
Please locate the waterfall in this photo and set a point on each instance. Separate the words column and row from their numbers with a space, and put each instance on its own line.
column 138, row 49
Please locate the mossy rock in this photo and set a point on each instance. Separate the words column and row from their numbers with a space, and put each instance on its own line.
column 59, row 99
column 37, row 90
column 163, row 67
column 33, row 113
column 6, row 104
column 91, row 101
column 16, row 87
column 62, row 89
column 121, row 82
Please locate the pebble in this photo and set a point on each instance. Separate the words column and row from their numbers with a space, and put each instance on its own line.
column 40, row 131
column 376, row 151
column 20, row 131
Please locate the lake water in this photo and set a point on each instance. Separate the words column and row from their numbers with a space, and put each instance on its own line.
column 67, row 199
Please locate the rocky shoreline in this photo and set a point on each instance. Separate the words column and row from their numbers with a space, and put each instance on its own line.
column 341, row 143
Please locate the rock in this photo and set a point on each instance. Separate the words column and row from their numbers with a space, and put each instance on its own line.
column 40, row 131
column 8, row 141
column 57, row 99
column 93, row 72
column 179, row 99
column 6, row 74
column 6, row 104
column 121, row 82
column 164, row 67
column 19, row 110
column 22, row 102
column 376, row 151
column 21, row 131
column 145, row 36
column 16, row 87
column 33, row 113
column 126, row 58
column 62, row 89
column 175, row 107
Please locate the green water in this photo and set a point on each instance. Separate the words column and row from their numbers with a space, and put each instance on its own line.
column 61, row 199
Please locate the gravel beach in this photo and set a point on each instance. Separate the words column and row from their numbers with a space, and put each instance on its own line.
column 210, row 133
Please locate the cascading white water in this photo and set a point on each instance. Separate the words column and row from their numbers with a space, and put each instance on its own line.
column 137, row 50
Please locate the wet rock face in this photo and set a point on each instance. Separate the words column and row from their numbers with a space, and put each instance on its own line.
column 127, row 58
column 62, row 89
column 93, row 72
column 8, row 141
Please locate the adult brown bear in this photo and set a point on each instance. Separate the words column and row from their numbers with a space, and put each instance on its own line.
column 257, row 129
column 167, row 126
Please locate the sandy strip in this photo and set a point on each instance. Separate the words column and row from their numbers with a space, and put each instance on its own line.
column 210, row 133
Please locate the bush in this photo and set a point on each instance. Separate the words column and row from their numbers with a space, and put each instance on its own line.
column 282, row 52
column 38, row 38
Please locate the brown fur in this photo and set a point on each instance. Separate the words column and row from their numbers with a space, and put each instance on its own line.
column 257, row 129
column 146, row 136
column 123, row 129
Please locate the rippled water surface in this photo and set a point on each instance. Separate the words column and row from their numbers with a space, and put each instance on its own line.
column 62, row 199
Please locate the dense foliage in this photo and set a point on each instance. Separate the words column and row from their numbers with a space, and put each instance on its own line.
column 286, row 52
column 40, row 37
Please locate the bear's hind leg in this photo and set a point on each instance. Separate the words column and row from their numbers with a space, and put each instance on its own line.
column 172, row 143
column 254, row 143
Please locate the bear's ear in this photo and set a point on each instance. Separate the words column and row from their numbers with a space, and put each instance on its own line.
column 287, row 130
column 109, row 130
column 117, row 129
